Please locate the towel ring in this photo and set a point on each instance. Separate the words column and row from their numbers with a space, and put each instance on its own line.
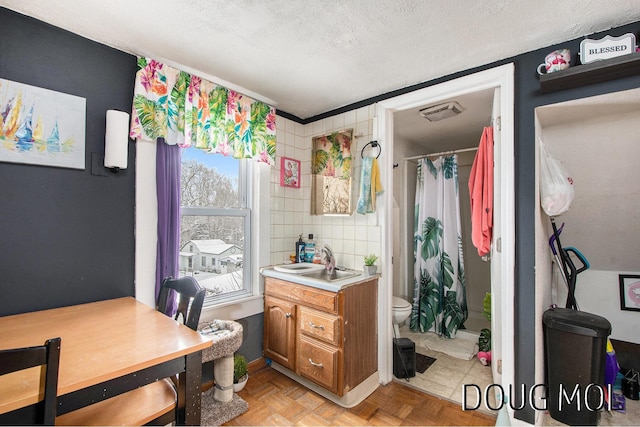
column 373, row 144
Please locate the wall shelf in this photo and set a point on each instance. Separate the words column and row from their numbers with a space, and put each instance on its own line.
column 595, row 72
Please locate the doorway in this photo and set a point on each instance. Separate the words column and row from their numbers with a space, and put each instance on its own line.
column 452, row 360
column 503, row 244
column 416, row 138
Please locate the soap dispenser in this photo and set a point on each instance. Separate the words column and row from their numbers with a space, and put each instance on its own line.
column 300, row 252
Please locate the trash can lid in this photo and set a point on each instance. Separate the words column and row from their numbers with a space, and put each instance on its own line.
column 577, row 322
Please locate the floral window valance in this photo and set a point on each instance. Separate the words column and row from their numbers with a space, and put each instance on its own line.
column 186, row 110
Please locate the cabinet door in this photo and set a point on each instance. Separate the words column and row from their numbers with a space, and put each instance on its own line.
column 279, row 331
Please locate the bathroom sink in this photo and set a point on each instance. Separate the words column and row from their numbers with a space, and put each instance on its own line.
column 299, row 268
column 335, row 275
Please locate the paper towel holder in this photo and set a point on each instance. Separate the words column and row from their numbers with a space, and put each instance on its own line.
column 116, row 140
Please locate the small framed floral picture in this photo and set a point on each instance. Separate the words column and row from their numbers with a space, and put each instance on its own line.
column 629, row 292
column 289, row 172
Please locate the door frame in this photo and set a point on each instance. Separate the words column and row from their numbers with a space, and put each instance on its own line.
column 498, row 77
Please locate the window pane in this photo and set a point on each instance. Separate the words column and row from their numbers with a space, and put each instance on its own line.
column 209, row 179
column 229, row 229
column 214, row 223
column 212, row 252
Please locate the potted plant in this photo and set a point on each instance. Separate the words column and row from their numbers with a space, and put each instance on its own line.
column 240, row 372
column 369, row 264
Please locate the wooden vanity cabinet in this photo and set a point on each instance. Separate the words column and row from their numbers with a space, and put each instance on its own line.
column 329, row 338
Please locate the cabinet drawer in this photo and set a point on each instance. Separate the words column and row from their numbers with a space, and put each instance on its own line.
column 313, row 297
column 319, row 363
column 319, row 325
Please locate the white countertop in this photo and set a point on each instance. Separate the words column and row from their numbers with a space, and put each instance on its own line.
column 333, row 286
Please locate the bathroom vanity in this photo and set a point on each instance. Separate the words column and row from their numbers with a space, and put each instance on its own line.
column 323, row 334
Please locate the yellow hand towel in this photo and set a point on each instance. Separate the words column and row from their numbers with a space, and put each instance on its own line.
column 376, row 186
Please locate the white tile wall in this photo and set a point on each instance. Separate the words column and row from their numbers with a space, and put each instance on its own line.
column 351, row 237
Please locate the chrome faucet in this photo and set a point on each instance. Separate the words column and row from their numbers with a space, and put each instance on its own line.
column 328, row 259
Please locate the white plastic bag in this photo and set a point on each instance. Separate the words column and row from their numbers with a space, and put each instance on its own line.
column 556, row 184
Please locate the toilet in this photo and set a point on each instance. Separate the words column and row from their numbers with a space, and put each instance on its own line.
column 401, row 310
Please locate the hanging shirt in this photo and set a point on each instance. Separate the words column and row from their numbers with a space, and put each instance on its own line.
column 481, row 194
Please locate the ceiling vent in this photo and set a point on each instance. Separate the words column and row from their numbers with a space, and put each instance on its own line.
column 441, row 111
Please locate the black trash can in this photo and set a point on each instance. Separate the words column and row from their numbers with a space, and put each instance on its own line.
column 404, row 358
column 575, row 350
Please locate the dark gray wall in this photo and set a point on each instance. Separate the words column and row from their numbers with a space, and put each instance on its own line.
column 66, row 236
column 253, row 330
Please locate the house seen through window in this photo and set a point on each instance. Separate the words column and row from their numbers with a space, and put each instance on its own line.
column 215, row 223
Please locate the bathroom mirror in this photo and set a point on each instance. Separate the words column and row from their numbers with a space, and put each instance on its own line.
column 331, row 173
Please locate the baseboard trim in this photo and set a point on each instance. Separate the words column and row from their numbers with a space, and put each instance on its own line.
column 256, row 365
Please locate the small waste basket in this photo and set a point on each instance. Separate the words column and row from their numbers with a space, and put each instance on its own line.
column 575, row 349
column 404, row 358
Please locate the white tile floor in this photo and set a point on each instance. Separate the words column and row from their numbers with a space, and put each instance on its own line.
column 447, row 376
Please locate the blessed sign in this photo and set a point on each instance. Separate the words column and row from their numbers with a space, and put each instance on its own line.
column 607, row 47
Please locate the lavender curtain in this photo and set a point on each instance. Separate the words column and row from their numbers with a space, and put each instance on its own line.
column 168, row 192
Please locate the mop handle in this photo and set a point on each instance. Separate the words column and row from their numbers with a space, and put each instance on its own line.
column 555, row 236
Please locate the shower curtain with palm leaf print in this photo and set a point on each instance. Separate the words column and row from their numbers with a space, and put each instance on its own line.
column 440, row 303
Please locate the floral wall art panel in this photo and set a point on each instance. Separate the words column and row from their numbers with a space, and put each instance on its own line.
column 331, row 173
column 41, row 127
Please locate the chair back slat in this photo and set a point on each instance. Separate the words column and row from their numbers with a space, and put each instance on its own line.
column 22, row 358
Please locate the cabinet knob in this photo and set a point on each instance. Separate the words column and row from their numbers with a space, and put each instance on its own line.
column 319, row 365
column 313, row 325
column 287, row 315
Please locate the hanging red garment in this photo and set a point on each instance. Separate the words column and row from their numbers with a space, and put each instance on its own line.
column 481, row 194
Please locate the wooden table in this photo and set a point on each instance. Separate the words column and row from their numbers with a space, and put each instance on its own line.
column 108, row 347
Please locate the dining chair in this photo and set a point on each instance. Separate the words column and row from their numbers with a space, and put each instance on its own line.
column 190, row 299
column 46, row 356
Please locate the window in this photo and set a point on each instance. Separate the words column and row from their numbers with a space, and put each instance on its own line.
column 215, row 223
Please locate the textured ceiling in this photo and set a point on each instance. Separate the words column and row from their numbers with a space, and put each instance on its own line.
column 307, row 57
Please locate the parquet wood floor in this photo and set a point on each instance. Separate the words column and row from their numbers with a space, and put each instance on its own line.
column 276, row 400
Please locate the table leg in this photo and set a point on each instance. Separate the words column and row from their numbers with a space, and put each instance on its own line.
column 189, row 397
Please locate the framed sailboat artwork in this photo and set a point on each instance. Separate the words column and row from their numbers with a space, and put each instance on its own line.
column 41, row 127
